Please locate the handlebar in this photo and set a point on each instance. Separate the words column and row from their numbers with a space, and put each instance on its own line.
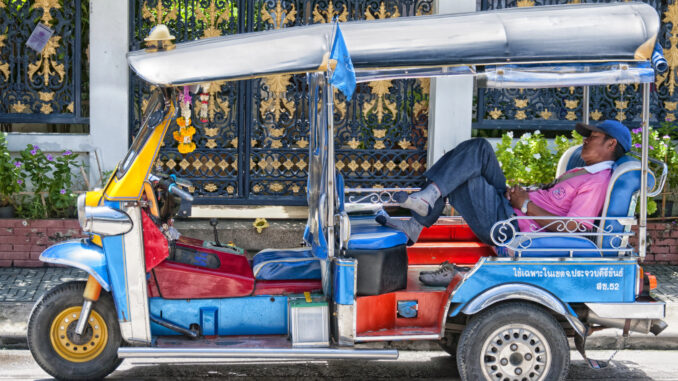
column 175, row 190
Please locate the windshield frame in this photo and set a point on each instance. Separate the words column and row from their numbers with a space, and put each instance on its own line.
column 157, row 103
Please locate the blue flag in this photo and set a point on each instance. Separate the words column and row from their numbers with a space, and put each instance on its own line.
column 343, row 77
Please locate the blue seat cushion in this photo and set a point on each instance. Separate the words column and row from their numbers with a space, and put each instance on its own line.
column 367, row 234
column 580, row 247
column 286, row 264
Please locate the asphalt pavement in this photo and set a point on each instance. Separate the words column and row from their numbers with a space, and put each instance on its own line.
column 21, row 287
column 411, row 365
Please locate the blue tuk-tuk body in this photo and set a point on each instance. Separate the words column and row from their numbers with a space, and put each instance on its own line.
column 507, row 313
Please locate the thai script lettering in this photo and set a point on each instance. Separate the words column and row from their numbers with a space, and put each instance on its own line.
column 602, row 272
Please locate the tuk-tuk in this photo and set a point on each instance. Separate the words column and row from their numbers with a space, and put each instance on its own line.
column 154, row 294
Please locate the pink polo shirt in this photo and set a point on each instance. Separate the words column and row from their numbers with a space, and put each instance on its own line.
column 582, row 196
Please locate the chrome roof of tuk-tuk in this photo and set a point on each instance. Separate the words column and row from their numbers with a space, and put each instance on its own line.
column 429, row 45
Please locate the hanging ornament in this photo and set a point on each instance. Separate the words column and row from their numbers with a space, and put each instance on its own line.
column 204, row 103
column 185, row 134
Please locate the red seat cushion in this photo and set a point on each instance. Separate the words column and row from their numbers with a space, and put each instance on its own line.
column 283, row 287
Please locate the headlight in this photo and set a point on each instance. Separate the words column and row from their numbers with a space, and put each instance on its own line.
column 81, row 209
column 106, row 221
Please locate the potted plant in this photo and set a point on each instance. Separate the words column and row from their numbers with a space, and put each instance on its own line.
column 10, row 179
column 51, row 180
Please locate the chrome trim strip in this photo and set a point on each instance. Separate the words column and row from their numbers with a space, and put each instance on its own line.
column 138, row 329
column 522, row 292
column 642, row 224
column 261, row 353
column 585, row 260
column 636, row 310
column 428, row 336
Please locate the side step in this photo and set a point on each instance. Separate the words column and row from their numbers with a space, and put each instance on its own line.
column 257, row 353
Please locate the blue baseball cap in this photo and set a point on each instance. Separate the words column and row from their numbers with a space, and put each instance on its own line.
column 612, row 128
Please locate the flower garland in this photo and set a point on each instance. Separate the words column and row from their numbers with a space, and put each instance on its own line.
column 185, row 134
column 204, row 100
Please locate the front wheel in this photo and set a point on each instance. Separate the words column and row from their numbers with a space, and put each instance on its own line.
column 513, row 341
column 59, row 350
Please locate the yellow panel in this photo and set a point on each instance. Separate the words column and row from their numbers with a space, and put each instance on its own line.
column 92, row 198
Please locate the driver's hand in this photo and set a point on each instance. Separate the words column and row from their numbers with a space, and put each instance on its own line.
column 516, row 196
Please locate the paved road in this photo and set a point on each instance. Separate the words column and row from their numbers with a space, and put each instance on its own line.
column 629, row 365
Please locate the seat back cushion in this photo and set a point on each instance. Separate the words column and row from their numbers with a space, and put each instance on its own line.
column 286, row 264
column 621, row 197
column 570, row 159
column 579, row 246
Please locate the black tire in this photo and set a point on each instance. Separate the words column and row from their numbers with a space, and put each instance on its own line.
column 43, row 346
column 527, row 340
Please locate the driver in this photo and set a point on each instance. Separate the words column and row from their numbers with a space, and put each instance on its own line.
column 470, row 177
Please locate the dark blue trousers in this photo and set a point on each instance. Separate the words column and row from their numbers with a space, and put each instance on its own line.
column 470, row 177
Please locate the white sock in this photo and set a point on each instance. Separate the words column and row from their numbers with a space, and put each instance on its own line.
column 410, row 227
column 419, row 202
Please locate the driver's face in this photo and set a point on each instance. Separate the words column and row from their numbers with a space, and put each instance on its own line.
column 597, row 148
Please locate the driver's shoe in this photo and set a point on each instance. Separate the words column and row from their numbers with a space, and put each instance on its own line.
column 440, row 277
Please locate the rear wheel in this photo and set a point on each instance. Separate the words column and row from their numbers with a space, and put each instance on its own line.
column 59, row 350
column 513, row 341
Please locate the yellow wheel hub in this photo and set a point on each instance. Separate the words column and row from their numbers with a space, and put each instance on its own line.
column 73, row 347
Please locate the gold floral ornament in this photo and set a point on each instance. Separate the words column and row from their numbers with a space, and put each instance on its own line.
column 4, row 67
column 185, row 134
column 260, row 224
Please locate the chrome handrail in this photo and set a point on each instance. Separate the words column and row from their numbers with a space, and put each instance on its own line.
column 658, row 185
column 504, row 233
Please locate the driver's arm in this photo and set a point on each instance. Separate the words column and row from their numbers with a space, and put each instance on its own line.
column 517, row 195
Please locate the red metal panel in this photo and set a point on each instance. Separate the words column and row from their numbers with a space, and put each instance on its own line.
column 443, row 232
column 428, row 312
column 156, row 248
column 375, row 312
column 432, row 253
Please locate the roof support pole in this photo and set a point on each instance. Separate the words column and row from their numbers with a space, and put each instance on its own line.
column 451, row 99
column 585, row 108
column 642, row 224
column 328, row 95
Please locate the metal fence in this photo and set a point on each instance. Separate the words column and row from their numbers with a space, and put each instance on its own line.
column 559, row 109
column 50, row 86
column 253, row 147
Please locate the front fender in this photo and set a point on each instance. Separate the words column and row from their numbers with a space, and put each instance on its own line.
column 82, row 254
column 522, row 291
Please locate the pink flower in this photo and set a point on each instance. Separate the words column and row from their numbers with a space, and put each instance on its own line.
column 637, row 145
column 67, row 152
column 18, row 164
column 636, row 130
column 34, row 151
column 62, row 191
column 19, row 181
column 50, row 157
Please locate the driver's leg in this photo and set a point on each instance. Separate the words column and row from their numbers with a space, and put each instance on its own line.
column 481, row 205
column 470, row 159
